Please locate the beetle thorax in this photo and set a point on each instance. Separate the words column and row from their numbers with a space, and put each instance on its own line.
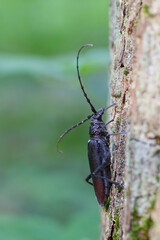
column 97, row 128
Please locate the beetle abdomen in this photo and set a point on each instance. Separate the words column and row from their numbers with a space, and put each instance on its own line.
column 99, row 155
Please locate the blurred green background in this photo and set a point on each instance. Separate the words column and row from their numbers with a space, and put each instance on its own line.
column 43, row 194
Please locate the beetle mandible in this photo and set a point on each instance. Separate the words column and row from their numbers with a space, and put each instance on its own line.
column 98, row 147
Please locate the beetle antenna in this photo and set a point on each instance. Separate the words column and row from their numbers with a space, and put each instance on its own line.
column 67, row 131
column 79, row 77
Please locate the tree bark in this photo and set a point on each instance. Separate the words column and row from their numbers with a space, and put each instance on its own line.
column 133, row 212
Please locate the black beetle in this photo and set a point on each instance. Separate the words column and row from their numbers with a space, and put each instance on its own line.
column 98, row 147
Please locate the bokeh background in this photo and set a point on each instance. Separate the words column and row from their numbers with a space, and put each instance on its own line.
column 43, row 195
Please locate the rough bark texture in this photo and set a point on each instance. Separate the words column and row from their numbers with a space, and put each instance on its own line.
column 133, row 213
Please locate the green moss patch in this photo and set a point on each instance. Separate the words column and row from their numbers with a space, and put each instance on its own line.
column 116, row 227
column 145, row 9
column 107, row 204
column 125, row 72
column 140, row 226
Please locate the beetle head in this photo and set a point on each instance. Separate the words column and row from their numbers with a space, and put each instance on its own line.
column 98, row 114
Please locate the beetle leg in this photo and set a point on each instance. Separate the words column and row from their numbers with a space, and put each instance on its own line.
column 113, row 116
column 116, row 133
column 115, row 183
column 88, row 178
column 109, row 106
column 109, row 122
column 109, row 180
column 102, row 166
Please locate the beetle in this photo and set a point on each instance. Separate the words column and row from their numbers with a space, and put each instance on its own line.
column 98, row 147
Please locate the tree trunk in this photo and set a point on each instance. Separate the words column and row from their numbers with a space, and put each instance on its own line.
column 133, row 213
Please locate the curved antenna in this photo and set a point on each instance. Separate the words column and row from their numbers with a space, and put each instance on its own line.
column 79, row 77
column 67, row 131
